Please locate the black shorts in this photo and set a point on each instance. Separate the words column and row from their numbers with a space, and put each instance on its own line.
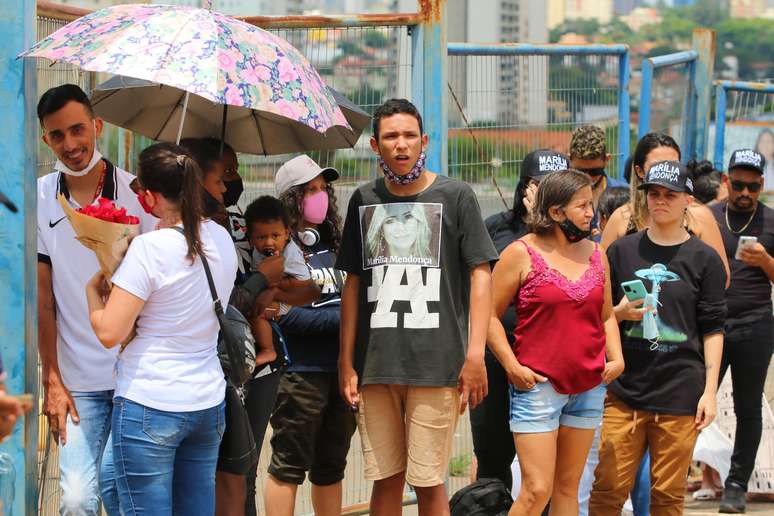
column 313, row 427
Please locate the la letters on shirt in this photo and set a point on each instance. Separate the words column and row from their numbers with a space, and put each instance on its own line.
column 413, row 255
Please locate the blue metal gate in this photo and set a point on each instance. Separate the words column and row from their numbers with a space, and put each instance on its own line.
column 506, row 100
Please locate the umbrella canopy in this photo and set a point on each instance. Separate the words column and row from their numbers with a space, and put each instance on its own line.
column 154, row 110
column 218, row 58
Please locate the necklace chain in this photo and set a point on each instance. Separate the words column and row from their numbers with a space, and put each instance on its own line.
column 728, row 224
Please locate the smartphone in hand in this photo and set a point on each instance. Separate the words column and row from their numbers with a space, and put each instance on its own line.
column 744, row 241
column 634, row 290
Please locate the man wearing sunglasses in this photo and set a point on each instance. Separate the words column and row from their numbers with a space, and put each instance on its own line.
column 588, row 154
column 749, row 336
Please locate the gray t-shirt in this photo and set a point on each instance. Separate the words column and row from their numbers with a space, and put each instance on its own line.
column 413, row 255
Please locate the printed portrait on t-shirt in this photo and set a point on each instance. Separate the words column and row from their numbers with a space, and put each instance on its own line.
column 652, row 327
column 406, row 233
column 401, row 247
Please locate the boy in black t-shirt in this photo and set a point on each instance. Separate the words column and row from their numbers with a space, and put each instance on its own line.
column 417, row 255
column 672, row 349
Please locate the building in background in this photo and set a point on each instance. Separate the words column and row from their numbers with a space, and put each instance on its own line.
column 641, row 16
column 752, row 9
column 506, row 90
column 600, row 10
column 623, row 7
column 555, row 13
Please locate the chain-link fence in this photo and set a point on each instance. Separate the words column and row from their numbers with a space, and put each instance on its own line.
column 368, row 64
column 668, row 98
column 507, row 100
column 744, row 119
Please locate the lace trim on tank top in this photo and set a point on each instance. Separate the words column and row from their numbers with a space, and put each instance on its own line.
column 541, row 273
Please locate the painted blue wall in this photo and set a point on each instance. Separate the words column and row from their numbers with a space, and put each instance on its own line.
column 18, row 241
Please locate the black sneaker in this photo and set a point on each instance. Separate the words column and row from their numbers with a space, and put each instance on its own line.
column 733, row 501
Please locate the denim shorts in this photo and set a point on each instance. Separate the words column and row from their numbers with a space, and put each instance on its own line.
column 542, row 409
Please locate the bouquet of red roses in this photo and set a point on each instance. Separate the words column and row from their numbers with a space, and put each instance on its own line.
column 103, row 228
column 106, row 210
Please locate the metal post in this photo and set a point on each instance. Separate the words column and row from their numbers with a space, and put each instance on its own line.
column 623, row 111
column 434, row 95
column 705, row 44
column 18, row 253
column 645, row 92
column 720, row 125
column 121, row 150
column 689, row 115
column 722, row 88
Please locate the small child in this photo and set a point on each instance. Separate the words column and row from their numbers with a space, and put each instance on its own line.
column 268, row 232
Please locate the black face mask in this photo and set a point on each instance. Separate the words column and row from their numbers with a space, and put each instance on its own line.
column 233, row 192
column 210, row 205
column 572, row 232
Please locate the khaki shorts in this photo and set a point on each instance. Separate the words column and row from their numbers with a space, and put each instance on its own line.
column 407, row 428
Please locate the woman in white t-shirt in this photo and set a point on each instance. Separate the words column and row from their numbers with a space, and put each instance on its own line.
column 168, row 416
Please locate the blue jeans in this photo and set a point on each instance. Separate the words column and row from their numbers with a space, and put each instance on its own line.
column 542, row 409
column 165, row 461
column 641, row 491
column 86, row 460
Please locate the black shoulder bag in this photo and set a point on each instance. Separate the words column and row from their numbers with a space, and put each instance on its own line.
column 236, row 344
column 236, row 350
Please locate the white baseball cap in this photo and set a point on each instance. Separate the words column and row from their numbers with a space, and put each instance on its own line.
column 300, row 170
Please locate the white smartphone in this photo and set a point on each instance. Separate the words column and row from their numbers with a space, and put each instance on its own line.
column 744, row 241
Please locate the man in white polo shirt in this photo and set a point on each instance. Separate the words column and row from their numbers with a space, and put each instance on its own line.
column 78, row 378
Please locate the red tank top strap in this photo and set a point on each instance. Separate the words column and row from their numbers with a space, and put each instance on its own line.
column 536, row 260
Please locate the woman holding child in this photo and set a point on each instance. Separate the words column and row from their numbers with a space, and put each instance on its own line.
column 235, row 488
column 312, row 424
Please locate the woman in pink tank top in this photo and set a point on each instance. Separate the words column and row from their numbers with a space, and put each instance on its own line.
column 559, row 283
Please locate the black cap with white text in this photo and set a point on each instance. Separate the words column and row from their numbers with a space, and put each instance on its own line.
column 539, row 163
column 669, row 174
column 747, row 158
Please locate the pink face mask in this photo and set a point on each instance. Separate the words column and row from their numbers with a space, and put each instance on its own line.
column 315, row 207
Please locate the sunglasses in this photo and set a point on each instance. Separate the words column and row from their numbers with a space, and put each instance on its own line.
column 593, row 172
column 739, row 186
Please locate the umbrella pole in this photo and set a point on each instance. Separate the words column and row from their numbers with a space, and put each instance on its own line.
column 182, row 119
column 223, row 129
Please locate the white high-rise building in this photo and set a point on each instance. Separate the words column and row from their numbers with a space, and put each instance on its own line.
column 561, row 10
column 508, row 89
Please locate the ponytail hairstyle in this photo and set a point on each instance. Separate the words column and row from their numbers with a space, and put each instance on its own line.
column 706, row 180
column 639, row 201
column 167, row 169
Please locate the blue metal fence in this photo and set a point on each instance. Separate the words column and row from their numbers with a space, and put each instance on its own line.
column 508, row 99
column 744, row 118
column 668, row 103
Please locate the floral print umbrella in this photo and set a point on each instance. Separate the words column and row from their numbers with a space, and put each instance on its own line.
column 200, row 51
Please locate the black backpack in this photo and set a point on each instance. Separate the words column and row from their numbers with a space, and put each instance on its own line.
column 484, row 497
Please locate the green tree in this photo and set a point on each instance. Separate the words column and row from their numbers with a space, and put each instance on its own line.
column 349, row 48
column 375, row 39
column 584, row 27
column 709, row 13
column 751, row 41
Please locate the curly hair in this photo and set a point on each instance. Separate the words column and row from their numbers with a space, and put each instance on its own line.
column 330, row 229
